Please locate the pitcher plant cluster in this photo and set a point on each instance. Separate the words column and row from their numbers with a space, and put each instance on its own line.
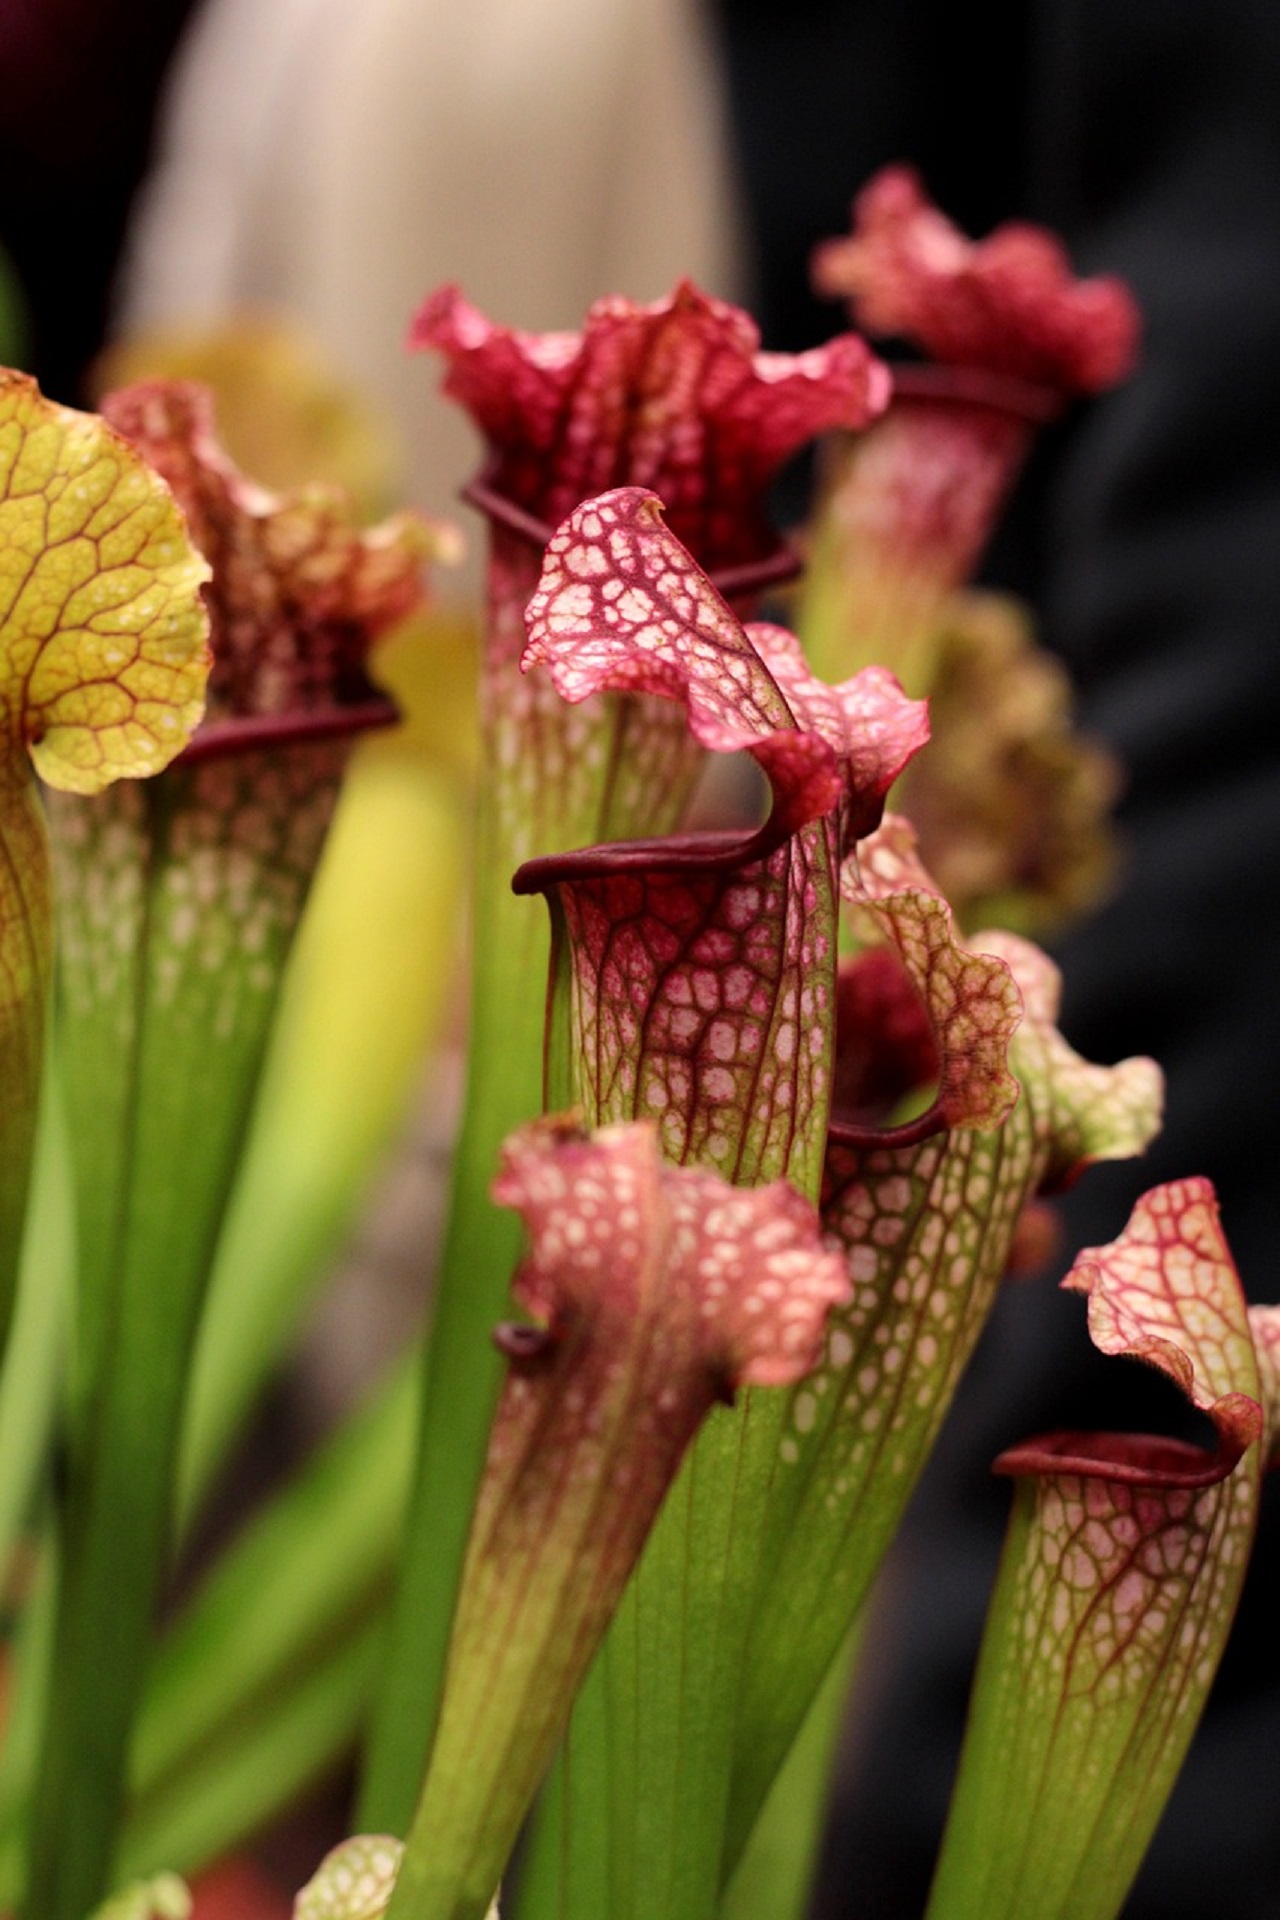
column 764, row 1097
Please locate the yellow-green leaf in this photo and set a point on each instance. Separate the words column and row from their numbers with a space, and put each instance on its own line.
column 103, row 640
column 103, row 662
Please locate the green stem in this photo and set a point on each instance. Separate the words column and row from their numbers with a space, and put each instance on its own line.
column 307, row 1562
column 32, row 1368
column 555, row 777
column 774, row 1874
column 652, row 1740
column 463, row 1371
column 284, row 1742
column 158, row 1096
column 372, row 978
column 30, row 1656
column 26, row 941
column 288, row 1615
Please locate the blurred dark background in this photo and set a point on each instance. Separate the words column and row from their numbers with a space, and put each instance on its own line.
column 79, row 81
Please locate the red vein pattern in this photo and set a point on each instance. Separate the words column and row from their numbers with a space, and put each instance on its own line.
column 926, row 1225
column 677, row 397
column 179, row 900
column 1264, row 1325
column 300, row 593
column 104, row 642
column 702, row 967
column 1120, row 1581
column 908, row 508
column 103, row 667
column 905, row 515
column 1161, row 1294
column 1008, row 303
column 971, row 999
column 656, row 1292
